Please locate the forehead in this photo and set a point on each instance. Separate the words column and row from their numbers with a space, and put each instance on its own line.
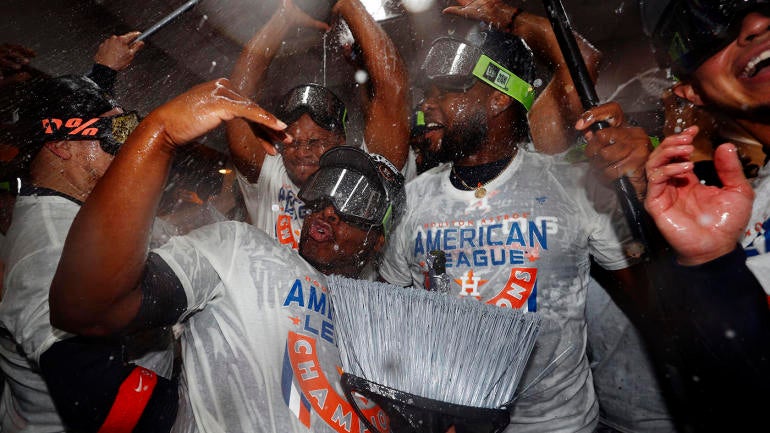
column 305, row 128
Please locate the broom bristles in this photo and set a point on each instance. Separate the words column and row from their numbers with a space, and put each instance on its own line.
column 431, row 344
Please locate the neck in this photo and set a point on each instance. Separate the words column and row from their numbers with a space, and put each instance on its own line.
column 54, row 177
column 488, row 154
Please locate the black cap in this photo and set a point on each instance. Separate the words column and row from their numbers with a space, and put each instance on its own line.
column 508, row 50
column 64, row 97
column 686, row 33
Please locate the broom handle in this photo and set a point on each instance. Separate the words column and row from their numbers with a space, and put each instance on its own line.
column 167, row 19
column 632, row 208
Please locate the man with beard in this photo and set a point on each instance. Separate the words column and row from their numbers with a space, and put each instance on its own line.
column 518, row 228
column 258, row 342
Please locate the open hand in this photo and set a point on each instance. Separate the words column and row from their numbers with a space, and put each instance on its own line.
column 206, row 106
column 700, row 222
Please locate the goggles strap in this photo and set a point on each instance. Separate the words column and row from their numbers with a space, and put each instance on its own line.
column 386, row 220
column 420, row 120
column 492, row 73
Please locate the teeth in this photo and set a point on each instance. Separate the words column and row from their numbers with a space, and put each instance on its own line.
column 749, row 70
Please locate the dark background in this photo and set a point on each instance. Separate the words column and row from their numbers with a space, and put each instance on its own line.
column 205, row 42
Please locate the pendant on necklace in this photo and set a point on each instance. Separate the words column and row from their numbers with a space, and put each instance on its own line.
column 480, row 192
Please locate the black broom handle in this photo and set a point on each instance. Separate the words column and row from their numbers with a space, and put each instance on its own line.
column 632, row 208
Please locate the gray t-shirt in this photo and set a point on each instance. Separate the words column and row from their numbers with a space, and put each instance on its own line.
column 526, row 245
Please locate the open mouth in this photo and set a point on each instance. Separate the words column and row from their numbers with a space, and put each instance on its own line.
column 756, row 64
column 432, row 126
column 320, row 231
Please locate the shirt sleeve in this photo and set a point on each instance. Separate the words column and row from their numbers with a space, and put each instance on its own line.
column 104, row 76
column 189, row 258
column 394, row 266
column 610, row 241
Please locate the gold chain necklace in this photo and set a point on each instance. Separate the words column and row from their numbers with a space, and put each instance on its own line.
column 479, row 191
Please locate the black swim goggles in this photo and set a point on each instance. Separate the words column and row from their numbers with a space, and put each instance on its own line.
column 111, row 131
column 360, row 186
column 454, row 65
column 685, row 33
column 323, row 106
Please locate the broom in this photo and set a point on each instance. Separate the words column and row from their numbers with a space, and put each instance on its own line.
column 430, row 360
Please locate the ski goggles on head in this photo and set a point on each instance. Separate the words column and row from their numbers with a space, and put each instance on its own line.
column 357, row 199
column 454, row 65
column 111, row 131
column 323, row 106
column 688, row 32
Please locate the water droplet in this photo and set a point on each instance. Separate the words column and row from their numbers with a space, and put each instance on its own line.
column 361, row 76
column 202, row 21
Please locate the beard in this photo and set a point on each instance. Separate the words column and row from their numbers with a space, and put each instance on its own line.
column 464, row 138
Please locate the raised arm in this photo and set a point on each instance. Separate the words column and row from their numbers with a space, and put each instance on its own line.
column 554, row 112
column 114, row 54
column 386, row 116
column 248, row 74
column 95, row 290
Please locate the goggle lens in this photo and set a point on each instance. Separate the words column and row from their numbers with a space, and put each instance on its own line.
column 355, row 198
column 319, row 103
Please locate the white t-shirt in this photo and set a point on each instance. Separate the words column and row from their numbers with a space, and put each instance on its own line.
column 756, row 240
column 526, row 244
column 273, row 203
column 258, row 348
column 31, row 253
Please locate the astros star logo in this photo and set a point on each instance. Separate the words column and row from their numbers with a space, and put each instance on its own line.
column 469, row 284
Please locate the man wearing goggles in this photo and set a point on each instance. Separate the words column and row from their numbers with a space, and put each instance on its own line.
column 317, row 118
column 364, row 192
column 258, row 331
column 68, row 130
column 477, row 99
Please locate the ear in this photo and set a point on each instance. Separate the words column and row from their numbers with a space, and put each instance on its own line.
column 378, row 244
column 60, row 149
column 688, row 92
column 498, row 103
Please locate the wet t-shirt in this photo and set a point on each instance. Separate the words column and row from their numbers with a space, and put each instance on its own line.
column 756, row 240
column 273, row 203
column 258, row 342
column 525, row 244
